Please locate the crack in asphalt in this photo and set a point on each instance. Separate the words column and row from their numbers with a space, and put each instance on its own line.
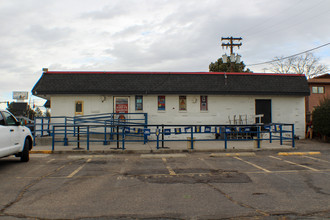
column 238, row 202
column 308, row 180
column 26, row 188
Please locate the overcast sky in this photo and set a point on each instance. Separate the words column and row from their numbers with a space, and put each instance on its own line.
column 151, row 35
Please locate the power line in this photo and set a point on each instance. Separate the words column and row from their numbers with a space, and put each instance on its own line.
column 294, row 55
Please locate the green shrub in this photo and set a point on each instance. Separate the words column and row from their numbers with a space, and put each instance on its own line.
column 321, row 118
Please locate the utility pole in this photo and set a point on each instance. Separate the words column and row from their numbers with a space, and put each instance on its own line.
column 231, row 43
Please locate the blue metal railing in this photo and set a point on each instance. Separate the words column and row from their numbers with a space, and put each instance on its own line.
column 158, row 133
column 43, row 126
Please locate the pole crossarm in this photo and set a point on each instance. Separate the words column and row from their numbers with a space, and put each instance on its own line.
column 231, row 43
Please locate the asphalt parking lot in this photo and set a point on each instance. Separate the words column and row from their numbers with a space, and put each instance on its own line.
column 166, row 186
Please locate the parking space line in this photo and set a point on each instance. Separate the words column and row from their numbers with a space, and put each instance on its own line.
column 252, row 164
column 170, row 170
column 50, row 160
column 313, row 158
column 78, row 169
column 290, row 162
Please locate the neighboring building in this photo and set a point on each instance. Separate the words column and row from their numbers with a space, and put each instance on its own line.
column 178, row 97
column 319, row 89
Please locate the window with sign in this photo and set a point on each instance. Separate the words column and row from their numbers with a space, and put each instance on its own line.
column 139, row 103
column 204, row 103
column 161, row 103
column 183, row 103
column 79, row 108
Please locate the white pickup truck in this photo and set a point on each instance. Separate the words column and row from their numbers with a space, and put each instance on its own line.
column 15, row 139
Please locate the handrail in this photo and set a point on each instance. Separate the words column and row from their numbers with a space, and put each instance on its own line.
column 43, row 125
column 253, row 132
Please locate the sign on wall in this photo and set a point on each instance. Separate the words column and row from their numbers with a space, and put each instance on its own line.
column 121, row 105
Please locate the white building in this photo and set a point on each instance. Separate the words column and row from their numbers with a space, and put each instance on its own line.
column 178, row 97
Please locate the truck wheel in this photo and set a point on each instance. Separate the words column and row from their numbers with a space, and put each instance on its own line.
column 25, row 153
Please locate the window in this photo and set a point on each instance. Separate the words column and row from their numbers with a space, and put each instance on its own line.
column 318, row 89
column 79, row 108
column 161, row 103
column 182, row 103
column 10, row 120
column 138, row 102
column 204, row 103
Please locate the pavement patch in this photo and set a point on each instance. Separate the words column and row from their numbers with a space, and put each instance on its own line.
column 298, row 153
column 242, row 154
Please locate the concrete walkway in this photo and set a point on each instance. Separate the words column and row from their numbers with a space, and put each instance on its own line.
column 169, row 147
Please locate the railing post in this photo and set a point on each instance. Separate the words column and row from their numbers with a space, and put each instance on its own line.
column 78, row 138
column 258, row 136
column 117, row 137
column 270, row 133
column 88, row 137
column 53, row 139
column 281, row 135
column 65, row 132
column 157, row 135
column 191, row 138
column 123, row 137
column 293, row 141
column 162, row 136
column 225, row 138
column 34, row 133
column 105, row 133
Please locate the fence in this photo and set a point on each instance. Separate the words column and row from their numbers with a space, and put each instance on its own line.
column 120, row 133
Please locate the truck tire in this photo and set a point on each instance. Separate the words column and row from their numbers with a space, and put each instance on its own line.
column 25, row 153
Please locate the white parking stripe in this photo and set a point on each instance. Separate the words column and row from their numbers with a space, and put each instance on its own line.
column 290, row 162
column 252, row 164
column 78, row 169
column 313, row 158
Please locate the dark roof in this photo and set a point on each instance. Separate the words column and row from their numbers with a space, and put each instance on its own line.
column 124, row 83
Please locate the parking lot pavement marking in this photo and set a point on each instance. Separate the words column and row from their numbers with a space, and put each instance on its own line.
column 170, row 170
column 252, row 164
column 242, row 154
column 79, row 168
column 290, row 162
column 51, row 160
column 298, row 153
column 313, row 158
column 153, row 156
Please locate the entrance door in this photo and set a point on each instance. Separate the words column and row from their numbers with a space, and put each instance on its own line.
column 264, row 106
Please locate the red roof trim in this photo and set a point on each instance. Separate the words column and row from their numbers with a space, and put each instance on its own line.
column 175, row 73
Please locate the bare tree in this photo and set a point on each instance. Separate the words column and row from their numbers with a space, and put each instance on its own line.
column 306, row 64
